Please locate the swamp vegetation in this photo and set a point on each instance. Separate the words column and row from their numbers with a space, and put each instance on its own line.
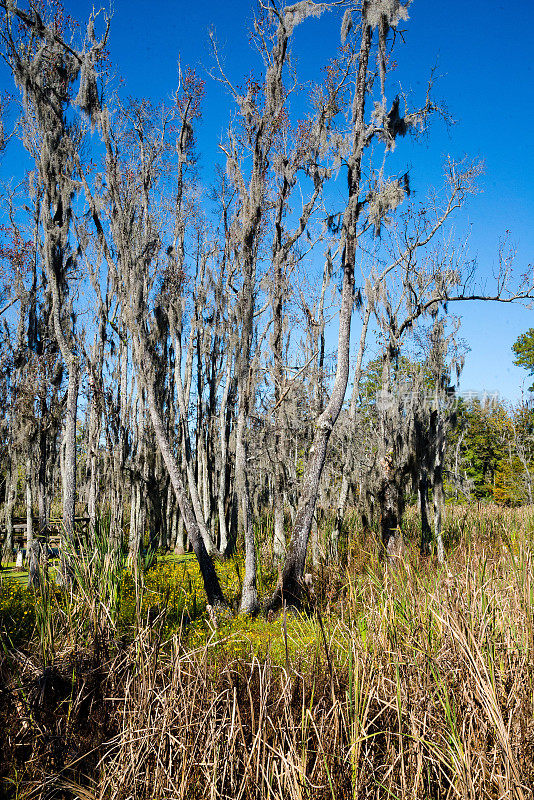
column 237, row 581
column 414, row 682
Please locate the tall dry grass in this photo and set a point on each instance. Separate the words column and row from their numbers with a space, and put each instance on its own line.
column 419, row 685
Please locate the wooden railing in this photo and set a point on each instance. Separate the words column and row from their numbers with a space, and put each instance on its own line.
column 51, row 536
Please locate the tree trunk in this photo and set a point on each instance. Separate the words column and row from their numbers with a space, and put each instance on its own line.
column 315, row 543
column 33, row 546
column 389, row 501
column 205, row 484
column 134, row 537
column 182, row 405
column 145, row 375
column 346, row 480
column 279, row 536
column 68, row 471
column 426, row 530
column 95, row 421
column 290, row 588
column 249, row 597
column 29, row 504
column 181, row 538
column 249, row 594
column 11, row 499
column 42, row 473
column 223, row 447
column 437, row 492
column 211, row 582
column 69, row 452
column 298, row 545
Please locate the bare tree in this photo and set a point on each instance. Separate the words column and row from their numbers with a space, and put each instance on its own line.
column 137, row 239
column 385, row 125
column 414, row 412
column 45, row 69
column 262, row 113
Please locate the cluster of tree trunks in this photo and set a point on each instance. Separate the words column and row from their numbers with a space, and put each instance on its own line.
column 207, row 399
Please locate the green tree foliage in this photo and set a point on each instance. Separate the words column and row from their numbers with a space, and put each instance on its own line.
column 482, row 446
column 491, row 451
column 371, row 382
column 524, row 352
column 514, row 477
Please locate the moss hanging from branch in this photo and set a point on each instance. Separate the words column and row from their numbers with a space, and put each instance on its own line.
column 382, row 201
column 389, row 11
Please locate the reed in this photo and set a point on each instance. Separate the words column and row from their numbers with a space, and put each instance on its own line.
column 414, row 682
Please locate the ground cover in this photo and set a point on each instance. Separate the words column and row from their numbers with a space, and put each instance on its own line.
column 412, row 682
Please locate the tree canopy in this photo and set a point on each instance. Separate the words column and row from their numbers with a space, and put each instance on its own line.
column 524, row 351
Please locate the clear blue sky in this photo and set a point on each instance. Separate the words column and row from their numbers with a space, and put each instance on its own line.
column 483, row 52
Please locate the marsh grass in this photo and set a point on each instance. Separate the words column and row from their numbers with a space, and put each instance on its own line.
column 413, row 682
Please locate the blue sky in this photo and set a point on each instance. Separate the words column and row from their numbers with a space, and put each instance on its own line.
column 483, row 53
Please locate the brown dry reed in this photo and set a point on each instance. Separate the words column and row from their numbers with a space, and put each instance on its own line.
column 419, row 685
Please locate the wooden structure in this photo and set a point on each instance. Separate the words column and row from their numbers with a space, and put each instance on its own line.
column 52, row 535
